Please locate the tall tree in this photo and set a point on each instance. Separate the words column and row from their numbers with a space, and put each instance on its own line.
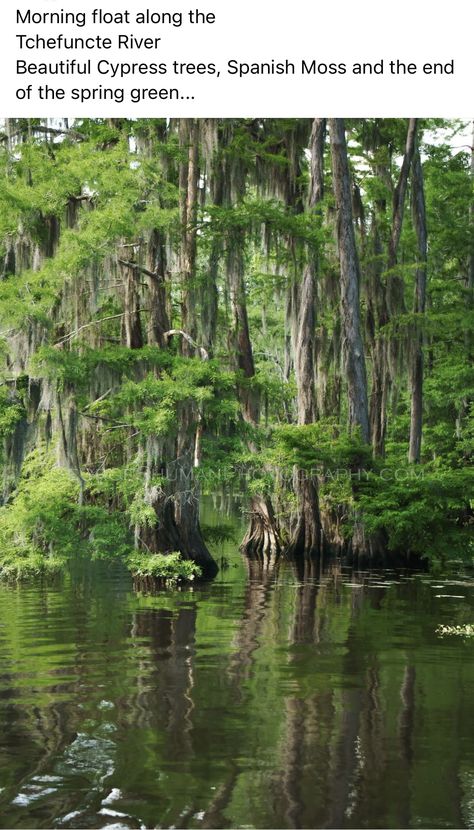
column 188, row 132
column 353, row 347
column 416, row 345
column 386, row 298
column 307, row 534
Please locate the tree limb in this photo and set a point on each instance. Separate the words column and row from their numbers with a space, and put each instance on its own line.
column 202, row 351
column 137, row 267
column 72, row 334
column 39, row 128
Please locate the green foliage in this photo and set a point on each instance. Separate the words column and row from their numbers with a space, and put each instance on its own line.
column 425, row 510
column 154, row 402
column 141, row 513
column 125, row 198
column 77, row 366
column 44, row 524
column 217, row 534
column 321, row 447
column 30, row 566
column 39, row 528
column 169, row 568
column 12, row 411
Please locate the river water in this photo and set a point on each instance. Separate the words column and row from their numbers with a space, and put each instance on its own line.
column 265, row 699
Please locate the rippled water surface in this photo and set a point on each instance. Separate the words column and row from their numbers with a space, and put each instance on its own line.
column 267, row 699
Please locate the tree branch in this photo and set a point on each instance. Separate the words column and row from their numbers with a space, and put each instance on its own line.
column 202, row 351
column 400, row 192
column 129, row 264
column 116, row 423
column 39, row 128
column 72, row 334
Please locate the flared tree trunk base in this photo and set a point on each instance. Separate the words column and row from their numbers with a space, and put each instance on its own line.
column 177, row 531
column 307, row 537
column 263, row 537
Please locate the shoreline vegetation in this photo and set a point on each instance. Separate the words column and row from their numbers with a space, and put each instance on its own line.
column 279, row 308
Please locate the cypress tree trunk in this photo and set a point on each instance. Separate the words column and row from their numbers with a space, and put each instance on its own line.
column 188, row 185
column 186, row 490
column 416, row 369
column 353, row 348
column 378, row 318
column 239, row 337
column 156, row 278
column 306, row 537
column 388, row 300
column 177, row 506
column 471, row 216
column 399, row 195
column 262, row 537
column 132, row 327
column 470, row 276
column 208, row 294
column 395, row 282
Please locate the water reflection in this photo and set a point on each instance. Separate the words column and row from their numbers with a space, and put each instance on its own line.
column 280, row 696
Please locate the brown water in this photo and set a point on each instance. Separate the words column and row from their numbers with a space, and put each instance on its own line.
column 266, row 699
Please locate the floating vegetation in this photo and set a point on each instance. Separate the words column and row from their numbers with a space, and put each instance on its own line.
column 466, row 630
column 169, row 568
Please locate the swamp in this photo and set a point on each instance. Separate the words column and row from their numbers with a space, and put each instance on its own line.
column 236, row 510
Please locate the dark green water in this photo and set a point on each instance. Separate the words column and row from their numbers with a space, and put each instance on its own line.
column 262, row 700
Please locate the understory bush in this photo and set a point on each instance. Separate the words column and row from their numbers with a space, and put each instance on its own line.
column 169, row 567
column 425, row 509
column 44, row 524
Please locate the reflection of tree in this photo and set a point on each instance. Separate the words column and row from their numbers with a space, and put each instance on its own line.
column 406, row 717
column 305, row 742
column 405, row 724
column 259, row 590
column 41, row 732
column 163, row 698
column 302, row 715
column 358, row 763
column 332, row 754
column 372, row 741
column 307, row 573
column 324, row 714
column 35, row 726
column 214, row 813
column 46, row 733
column 262, row 574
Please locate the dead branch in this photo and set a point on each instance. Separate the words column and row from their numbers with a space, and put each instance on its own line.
column 74, row 333
column 202, row 351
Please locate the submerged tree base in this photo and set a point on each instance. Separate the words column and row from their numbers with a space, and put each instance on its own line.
column 262, row 537
column 176, row 531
